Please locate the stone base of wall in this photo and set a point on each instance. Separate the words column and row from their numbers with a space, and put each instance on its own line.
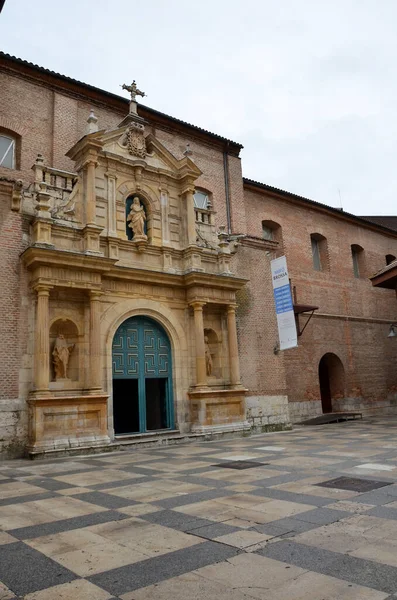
column 367, row 407
column 299, row 411
column 13, row 428
column 267, row 413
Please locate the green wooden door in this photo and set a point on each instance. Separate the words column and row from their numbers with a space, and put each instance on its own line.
column 142, row 352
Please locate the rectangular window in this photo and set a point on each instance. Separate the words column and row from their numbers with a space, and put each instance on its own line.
column 7, row 152
column 356, row 268
column 316, row 254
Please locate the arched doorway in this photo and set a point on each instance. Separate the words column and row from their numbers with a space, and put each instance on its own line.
column 331, row 376
column 142, row 377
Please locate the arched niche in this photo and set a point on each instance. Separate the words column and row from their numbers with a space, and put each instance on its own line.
column 65, row 329
column 331, row 374
column 148, row 216
column 212, row 339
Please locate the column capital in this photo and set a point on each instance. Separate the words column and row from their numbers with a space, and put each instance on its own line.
column 89, row 162
column 95, row 294
column 197, row 305
column 231, row 308
column 42, row 289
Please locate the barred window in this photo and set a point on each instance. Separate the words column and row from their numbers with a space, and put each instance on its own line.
column 7, row 152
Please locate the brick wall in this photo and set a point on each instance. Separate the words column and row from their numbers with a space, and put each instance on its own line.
column 13, row 413
column 357, row 333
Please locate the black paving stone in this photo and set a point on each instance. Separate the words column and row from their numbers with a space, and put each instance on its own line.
column 25, row 570
column 132, row 577
column 292, row 496
column 284, row 526
column 322, row 516
column 118, row 483
column 208, row 481
column 50, row 484
column 27, row 498
column 342, row 566
column 176, row 520
column 210, row 532
column 240, row 465
column 190, row 498
column 34, row 531
column 140, row 470
column 383, row 512
column 106, row 500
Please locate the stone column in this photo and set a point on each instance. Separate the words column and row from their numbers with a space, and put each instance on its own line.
column 90, row 196
column 201, row 371
column 95, row 377
column 233, row 345
column 190, row 218
column 42, row 340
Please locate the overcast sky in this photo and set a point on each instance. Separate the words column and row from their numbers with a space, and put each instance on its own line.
column 307, row 86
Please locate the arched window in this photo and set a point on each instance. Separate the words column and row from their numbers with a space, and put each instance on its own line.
column 358, row 261
column 390, row 258
column 201, row 200
column 319, row 252
column 202, row 206
column 271, row 231
column 7, row 151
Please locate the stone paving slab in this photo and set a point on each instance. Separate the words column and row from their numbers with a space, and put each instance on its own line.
column 164, row 523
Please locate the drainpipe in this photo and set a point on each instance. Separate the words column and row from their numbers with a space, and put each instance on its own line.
column 227, row 193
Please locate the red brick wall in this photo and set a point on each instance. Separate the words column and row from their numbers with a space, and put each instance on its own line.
column 13, row 417
column 369, row 358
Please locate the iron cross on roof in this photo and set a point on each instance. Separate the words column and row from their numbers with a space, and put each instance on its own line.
column 133, row 90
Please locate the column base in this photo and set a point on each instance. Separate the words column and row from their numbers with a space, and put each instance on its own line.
column 213, row 409
column 64, row 422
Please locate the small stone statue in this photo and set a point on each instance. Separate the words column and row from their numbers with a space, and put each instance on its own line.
column 136, row 219
column 208, row 357
column 60, row 357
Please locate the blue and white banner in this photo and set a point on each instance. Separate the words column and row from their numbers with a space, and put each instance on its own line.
column 284, row 306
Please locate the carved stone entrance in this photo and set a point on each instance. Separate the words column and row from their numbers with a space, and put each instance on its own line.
column 142, row 377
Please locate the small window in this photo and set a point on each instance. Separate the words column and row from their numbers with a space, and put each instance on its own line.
column 201, row 200
column 271, row 231
column 316, row 254
column 7, row 152
column 358, row 260
column 390, row 258
column 319, row 252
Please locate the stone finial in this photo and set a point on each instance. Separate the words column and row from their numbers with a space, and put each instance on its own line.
column 92, row 123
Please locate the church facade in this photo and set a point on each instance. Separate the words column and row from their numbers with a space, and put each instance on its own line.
column 137, row 301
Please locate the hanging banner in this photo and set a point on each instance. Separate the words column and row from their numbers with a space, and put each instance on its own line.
column 284, row 306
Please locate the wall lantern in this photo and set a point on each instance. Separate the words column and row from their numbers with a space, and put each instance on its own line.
column 392, row 331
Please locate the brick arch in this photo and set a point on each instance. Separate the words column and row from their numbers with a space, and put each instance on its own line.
column 13, row 126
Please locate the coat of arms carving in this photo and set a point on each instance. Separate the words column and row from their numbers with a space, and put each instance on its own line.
column 134, row 139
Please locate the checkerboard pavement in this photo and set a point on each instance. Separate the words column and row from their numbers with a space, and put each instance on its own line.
column 310, row 513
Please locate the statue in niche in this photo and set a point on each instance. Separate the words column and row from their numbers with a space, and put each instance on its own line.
column 60, row 357
column 208, row 357
column 136, row 220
